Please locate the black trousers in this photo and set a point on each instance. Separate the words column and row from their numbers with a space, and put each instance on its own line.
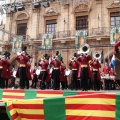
column 34, row 81
column 84, row 78
column 74, row 79
column 56, row 79
column 43, row 75
column 22, row 76
column 1, row 80
column 27, row 83
column 107, row 83
column 95, row 81
column 12, row 84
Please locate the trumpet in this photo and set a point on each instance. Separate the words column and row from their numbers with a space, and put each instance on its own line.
column 73, row 58
column 19, row 53
column 97, row 55
column 54, row 57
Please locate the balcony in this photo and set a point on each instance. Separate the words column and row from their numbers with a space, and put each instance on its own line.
column 92, row 33
column 24, row 38
column 60, row 35
column 100, row 31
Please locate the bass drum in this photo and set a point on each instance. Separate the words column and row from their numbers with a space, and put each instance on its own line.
column 67, row 72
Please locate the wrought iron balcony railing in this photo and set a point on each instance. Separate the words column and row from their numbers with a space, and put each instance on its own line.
column 22, row 37
column 61, row 35
column 101, row 31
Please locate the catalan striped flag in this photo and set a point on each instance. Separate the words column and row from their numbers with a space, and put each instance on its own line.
column 49, row 93
column 91, row 107
column 12, row 94
column 97, row 106
column 26, row 109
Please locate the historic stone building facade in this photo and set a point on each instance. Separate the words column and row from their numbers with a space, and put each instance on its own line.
column 64, row 19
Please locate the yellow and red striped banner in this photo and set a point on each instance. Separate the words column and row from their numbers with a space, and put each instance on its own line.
column 97, row 106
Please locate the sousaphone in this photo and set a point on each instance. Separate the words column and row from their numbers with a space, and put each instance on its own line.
column 85, row 48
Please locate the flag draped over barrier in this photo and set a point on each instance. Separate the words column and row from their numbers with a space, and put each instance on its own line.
column 47, row 41
column 60, row 105
column 114, row 35
column 88, row 106
column 80, row 37
column 17, row 43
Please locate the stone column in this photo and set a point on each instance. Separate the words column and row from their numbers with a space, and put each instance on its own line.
column 34, row 24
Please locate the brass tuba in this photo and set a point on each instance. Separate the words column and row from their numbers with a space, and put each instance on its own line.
column 85, row 48
column 97, row 55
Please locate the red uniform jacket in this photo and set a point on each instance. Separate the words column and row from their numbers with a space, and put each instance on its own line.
column 1, row 67
column 106, row 70
column 62, row 73
column 44, row 65
column 28, row 74
column 49, row 76
column 116, row 45
column 5, row 71
column 32, row 73
column 112, row 73
column 22, row 59
column 84, row 61
column 96, row 66
column 56, row 63
column 74, row 64
column 8, row 70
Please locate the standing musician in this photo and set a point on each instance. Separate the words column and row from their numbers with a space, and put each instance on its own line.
column 28, row 73
column 95, row 74
column 34, row 77
column 84, row 60
column 8, row 70
column 5, row 75
column 74, row 64
column 105, row 72
column 22, row 59
column 43, row 74
column 63, row 78
column 1, row 73
column 116, row 49
column 56, row 72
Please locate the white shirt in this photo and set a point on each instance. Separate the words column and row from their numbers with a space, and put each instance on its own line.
column 14, row 73
column 37, row 71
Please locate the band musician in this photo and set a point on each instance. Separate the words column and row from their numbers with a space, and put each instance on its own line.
column 74, row 65
column 106, row 74
column 22, row 59
column 43, row 74
column 84, row 60
column 95, row 74
column 56, row 72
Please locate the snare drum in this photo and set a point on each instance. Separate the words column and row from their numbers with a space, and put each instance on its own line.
column 112, row 77
column 106, row 76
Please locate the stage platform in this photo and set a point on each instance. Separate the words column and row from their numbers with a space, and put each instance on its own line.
column 35, row 104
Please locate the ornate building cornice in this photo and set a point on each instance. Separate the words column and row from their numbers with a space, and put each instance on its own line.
column 82, row 7
column 22, row 15
column 113, row 5
column 51, row 12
